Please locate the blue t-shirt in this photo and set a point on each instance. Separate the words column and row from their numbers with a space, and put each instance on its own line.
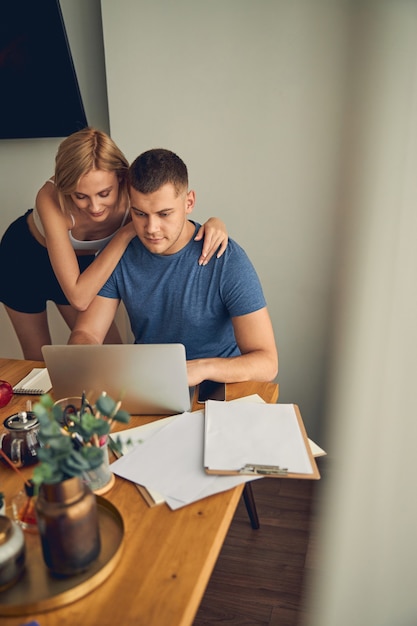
column 173, row 299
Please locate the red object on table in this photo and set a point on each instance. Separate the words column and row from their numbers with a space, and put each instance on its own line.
column 6, row 393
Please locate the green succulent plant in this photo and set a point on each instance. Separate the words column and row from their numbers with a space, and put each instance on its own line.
column 70, row 440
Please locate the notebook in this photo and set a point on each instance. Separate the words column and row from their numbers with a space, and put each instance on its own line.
column 35, row 383
column 150, row 379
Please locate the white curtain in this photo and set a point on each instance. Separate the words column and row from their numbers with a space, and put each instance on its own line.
column 365, row 571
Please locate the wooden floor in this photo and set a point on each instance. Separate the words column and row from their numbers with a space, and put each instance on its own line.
column 258, row 578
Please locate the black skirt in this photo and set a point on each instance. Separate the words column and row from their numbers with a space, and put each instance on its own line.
column 27, row 280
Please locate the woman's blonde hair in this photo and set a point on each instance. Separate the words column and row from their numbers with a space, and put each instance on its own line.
column 81, row 152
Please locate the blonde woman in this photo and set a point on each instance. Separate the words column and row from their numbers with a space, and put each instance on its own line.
column 73, row 239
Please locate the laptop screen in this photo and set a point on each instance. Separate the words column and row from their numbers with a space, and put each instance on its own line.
column 150, row 379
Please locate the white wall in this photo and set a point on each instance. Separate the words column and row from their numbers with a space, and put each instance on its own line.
column 310, row 155
column 250, row 94
column 26, row 163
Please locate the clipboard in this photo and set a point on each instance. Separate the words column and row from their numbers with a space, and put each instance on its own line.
column 257, row 439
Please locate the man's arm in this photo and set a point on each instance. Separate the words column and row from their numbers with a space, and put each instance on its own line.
column 258, row 361
column 93, row 323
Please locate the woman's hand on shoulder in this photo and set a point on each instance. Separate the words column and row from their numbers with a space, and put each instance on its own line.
column 215, row 239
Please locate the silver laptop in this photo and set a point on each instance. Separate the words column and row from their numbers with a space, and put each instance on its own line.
column 150, row 379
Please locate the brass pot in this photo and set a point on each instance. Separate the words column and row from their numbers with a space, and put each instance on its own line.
column 68, row 526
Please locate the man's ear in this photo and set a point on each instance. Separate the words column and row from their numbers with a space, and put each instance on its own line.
column 190, row 201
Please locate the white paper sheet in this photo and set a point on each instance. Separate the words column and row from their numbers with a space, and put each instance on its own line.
column 130, row 437
column 137, row 435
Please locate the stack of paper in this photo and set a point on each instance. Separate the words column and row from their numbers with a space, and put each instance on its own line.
column 167, row 457
column 170, row 463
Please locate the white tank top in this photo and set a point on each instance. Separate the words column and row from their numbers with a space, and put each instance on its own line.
column 95, row 244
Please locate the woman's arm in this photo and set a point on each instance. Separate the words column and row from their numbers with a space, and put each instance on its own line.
column 80, row 289
column 93, row 324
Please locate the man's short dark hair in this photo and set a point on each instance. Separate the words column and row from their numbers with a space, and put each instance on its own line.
column 157, row 167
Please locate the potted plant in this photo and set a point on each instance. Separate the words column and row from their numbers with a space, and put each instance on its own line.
column 71, row 444
column 72, row 438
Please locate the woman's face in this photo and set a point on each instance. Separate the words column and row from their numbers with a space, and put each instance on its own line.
column 97, row 194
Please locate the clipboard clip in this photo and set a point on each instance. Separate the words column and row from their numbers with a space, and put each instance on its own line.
column 265, row 470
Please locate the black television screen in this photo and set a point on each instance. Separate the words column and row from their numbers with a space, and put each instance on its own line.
column 39, row 93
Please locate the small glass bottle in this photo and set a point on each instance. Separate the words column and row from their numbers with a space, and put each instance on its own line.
column 23, row 506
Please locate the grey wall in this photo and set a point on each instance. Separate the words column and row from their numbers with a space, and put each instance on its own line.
column 251, row 95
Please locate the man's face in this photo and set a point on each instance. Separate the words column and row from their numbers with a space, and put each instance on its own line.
column 160, row 218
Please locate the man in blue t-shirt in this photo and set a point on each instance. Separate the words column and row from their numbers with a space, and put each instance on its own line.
column 217, row 310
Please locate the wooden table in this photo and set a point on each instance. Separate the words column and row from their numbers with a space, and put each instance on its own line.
column 168, row 556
